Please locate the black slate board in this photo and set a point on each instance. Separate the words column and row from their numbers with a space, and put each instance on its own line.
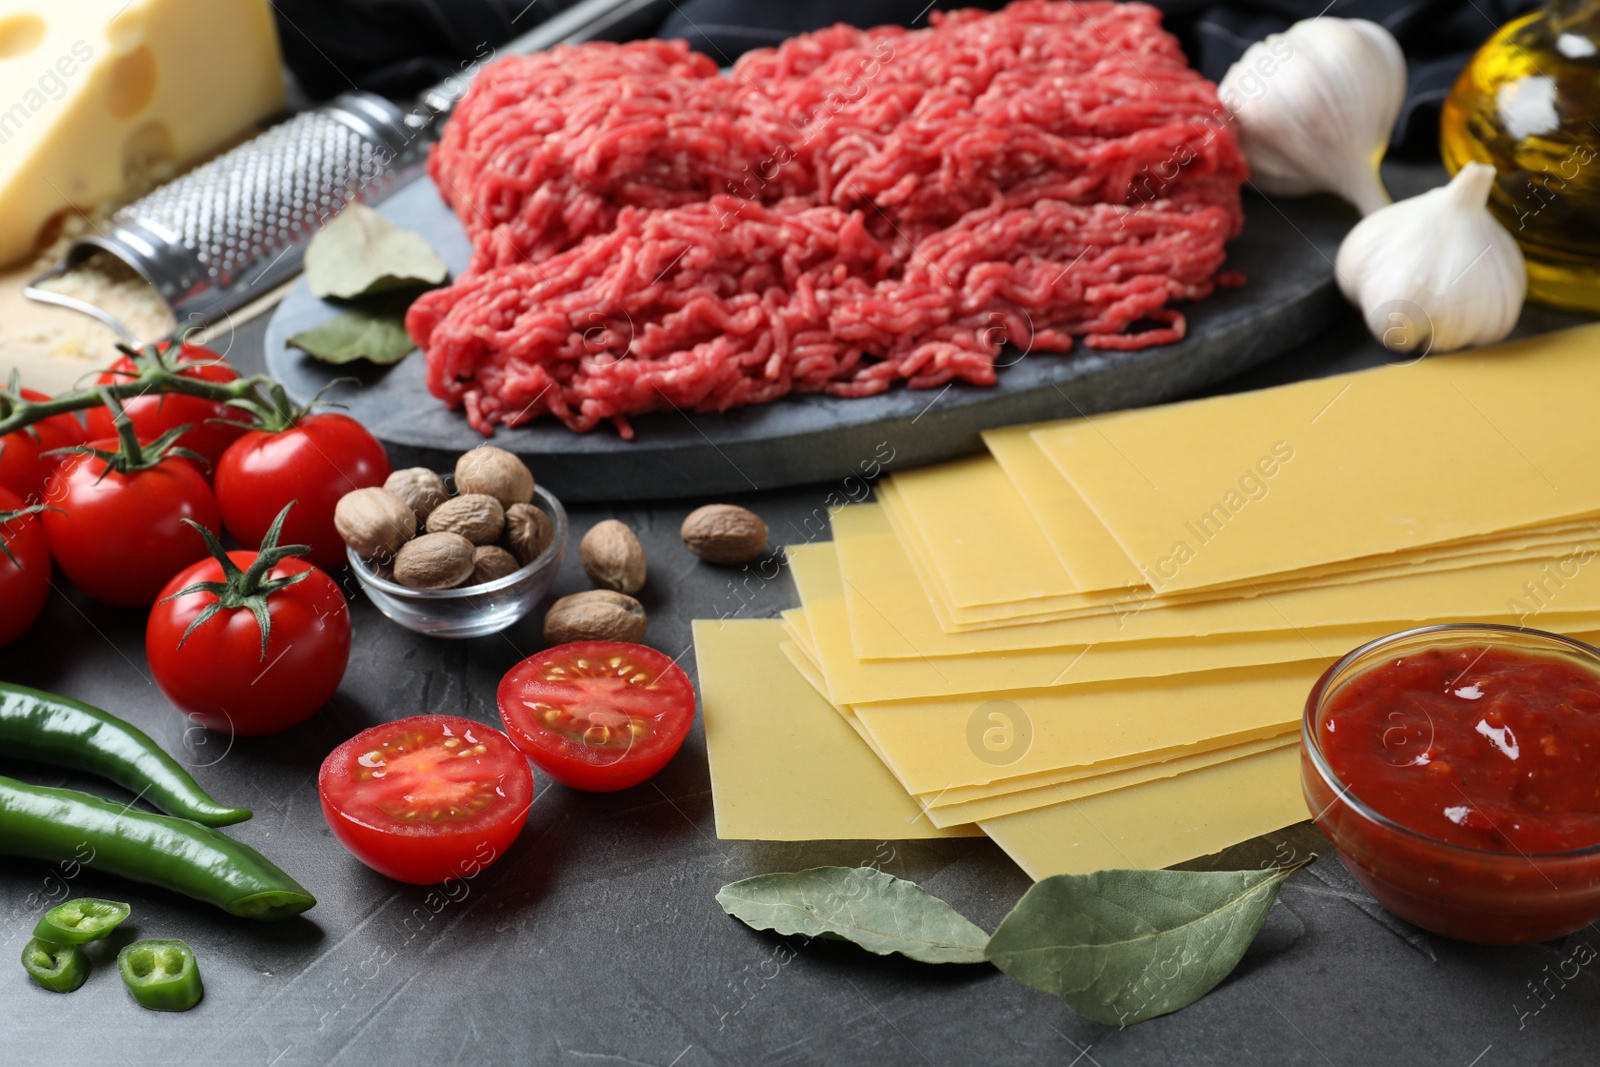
column 1286, row 252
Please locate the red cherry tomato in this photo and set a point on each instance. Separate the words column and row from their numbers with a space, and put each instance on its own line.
column 219, row 676
column 23, row 466
column 119, row 537
column 154, row 415
column 25, row 573
column 426, row 798
column 314, row 463
column 597, row 715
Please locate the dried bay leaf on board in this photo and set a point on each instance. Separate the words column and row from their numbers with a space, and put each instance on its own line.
column 360, row 253
column 374, row 330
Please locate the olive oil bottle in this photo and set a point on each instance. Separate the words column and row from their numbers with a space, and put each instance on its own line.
column 1529, row 105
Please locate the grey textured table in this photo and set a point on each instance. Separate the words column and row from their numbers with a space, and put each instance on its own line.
column 597, row 941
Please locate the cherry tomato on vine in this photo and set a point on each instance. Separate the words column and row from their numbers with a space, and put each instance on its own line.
column 426, row 798
column 24, row 468
column 154, row 415
column 249, row 642
column 24, row 568
column 312, row 464
column 597, row 715
column 119, row 535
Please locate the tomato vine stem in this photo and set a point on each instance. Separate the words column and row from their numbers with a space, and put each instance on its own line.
column 157, row 373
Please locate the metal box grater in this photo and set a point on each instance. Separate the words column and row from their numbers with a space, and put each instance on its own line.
column 236, row 227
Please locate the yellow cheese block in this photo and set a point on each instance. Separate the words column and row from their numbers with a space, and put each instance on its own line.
column 1237, row 487
column 1159, row 823
column 892, row 616
column 784, row 765
column 94, row 91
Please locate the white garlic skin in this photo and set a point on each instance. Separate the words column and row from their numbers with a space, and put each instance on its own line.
column 1315, row 107
column 1436, row 272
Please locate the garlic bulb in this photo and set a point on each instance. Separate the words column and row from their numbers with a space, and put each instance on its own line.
column 1315, row 107
column 1435, row 272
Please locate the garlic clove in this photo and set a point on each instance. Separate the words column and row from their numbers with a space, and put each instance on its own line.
column 1436, row 272
column 1315, row 107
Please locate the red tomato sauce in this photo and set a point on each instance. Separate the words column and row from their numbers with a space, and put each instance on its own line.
column 1489, row 748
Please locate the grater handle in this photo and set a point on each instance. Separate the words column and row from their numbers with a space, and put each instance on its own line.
column 237, row 226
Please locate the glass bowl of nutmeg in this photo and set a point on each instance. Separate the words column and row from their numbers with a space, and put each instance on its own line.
column 458, row 555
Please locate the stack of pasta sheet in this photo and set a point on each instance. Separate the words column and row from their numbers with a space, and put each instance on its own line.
column 1094, row 641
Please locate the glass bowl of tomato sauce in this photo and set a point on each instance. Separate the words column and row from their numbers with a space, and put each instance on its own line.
column 1456, row 769
column 472, row 610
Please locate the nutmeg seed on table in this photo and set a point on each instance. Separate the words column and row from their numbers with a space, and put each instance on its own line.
column 612, row 557
column 528, row 532
column 595, row 615
column 420, row 488
column 475, row 516
column 494, row 472
column 434, row 561
column 724, row 533
column 374, row 522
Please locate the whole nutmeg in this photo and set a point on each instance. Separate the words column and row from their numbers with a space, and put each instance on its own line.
column 374, row 522
column 491, row 563
column 724, row 533
column 476, row 517
column 494, row 472
column 528, row 532
column 595, row 615
column 420, row 488
column 434, row 561
column 612, row 557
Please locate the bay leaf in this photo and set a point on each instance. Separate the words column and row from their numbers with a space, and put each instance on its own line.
column 360, row 253
column 376, row 333
column 1123, row 946
column 879, row 912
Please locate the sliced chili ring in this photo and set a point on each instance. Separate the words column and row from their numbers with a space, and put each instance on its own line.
column 77, row 922
column 59, row 968
column 161, row 975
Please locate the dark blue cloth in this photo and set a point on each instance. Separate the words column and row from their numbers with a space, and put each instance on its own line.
column 399, row 47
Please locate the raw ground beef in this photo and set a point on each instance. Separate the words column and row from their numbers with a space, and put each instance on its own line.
column 852, row 209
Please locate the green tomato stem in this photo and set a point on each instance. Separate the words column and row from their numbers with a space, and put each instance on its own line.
column 157, row 374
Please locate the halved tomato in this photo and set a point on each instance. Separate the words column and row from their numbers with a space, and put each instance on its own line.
column 427, row 798
column 597, row 715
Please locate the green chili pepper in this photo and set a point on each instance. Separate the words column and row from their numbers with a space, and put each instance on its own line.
column 161, row 975
column 77, row 922
column 61, row 968
column 66, row 733
column 59, row 825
